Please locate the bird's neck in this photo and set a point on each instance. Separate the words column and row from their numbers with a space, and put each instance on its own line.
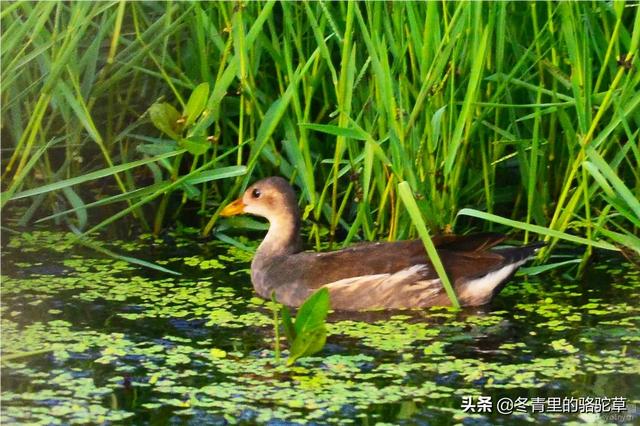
column 283, row 237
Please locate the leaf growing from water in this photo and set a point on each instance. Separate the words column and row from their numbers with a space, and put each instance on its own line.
column 313, row 312
column 308, row 334
column 307, row 343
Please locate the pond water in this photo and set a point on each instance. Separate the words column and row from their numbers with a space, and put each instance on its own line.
column 89, row 339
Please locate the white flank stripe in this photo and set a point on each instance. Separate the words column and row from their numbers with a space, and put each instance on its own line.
column 481, row 287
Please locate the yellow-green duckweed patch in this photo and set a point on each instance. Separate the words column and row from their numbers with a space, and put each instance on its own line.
column 87, row 339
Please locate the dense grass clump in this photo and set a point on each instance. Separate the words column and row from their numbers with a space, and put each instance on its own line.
column 521, row 114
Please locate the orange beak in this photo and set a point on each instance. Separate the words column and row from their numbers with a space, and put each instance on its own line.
column 236, row 207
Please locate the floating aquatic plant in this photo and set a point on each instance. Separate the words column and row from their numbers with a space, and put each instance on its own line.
column 87, row 337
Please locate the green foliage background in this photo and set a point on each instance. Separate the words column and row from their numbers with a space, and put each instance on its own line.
column 525, row 114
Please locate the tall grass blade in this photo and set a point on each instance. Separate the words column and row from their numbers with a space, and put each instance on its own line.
column 90, row 176
column 406, row 195
column 536, row 229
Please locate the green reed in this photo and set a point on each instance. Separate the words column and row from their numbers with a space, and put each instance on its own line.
column 518, row 114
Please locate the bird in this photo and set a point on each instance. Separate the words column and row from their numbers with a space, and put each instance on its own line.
column 390, row 275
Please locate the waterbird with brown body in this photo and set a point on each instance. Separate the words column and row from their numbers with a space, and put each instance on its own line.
column 381, row 275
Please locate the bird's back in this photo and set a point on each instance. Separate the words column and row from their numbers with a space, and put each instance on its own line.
column 390, row 274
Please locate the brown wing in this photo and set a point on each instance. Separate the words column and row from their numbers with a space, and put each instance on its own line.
column 474, row 242
column 363, row 259
column 463, row 256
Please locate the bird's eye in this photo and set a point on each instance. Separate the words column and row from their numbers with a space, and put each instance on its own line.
column 256, row 193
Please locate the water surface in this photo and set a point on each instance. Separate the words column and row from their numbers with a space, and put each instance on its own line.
column 88, row 339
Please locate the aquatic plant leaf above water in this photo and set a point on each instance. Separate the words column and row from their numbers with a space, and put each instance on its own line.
column 313, row 312
column 308, row 334
column 307, row 343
